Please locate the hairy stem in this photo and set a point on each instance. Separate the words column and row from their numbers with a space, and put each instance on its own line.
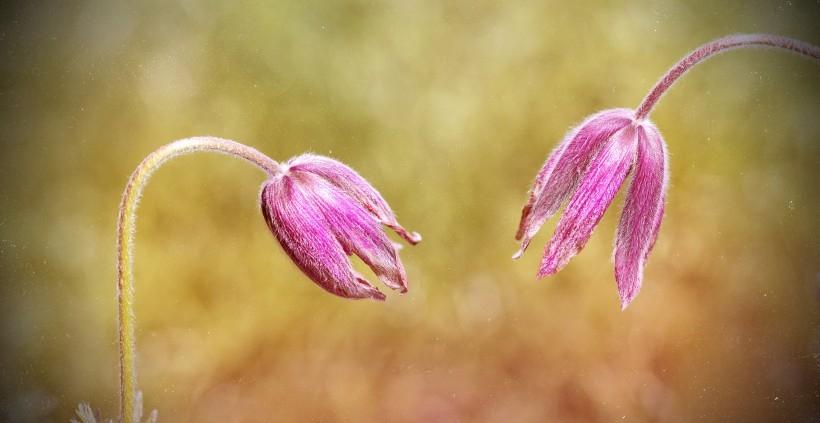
column 126, row 224
column 718, row 46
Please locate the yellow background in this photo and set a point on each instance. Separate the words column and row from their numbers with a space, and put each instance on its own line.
column 449, row 109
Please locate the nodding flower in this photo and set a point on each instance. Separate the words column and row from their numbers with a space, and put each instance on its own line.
column 321, row 211
column 594, row 160
column 591, row 164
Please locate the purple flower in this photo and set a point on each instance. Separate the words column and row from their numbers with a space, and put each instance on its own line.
column 322, row 211
column 593, row 160
column 591, row 163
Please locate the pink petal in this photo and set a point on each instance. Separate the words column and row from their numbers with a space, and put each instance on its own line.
column 642, row 213
column 603, row 178
column 354, row 185
column 357, row 230
column 295, row 217
column 561, row 172
column 656, row 227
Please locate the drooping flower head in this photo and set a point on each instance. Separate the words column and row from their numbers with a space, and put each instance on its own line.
column 321, row 211
column 589, row 166
column 593, row 160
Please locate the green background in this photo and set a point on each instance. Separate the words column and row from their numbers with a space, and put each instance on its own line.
column 449, row 109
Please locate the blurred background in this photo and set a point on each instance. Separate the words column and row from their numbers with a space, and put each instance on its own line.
column 449, row 108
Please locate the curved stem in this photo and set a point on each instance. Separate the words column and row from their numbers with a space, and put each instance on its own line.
column 126, row 224
column 717, row 46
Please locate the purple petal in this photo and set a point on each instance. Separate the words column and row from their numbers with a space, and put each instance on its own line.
column 560, row 174
column 355, row 186
column 357, row 231
column 603, row 178
column 294, row 215
column 642, row 213
column 656, row 227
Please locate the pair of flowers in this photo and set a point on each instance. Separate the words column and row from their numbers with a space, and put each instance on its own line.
column 322, row 211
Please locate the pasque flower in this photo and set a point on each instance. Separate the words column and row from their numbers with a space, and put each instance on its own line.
column 595, row 159
column 322, row 211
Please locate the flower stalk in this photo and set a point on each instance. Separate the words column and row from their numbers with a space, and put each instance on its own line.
column 714, row 47
column 320, row 210
column 130, row 407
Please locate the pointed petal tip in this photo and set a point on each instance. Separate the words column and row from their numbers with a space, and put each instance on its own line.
column 524, row 244
column 550, row 265
column 545, row 271
column 412, row 238
column 625, row 301
column 627, row 296
column 399, row 285
column 365, row 289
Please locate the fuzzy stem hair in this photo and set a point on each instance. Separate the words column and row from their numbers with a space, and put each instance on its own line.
column 126, row 225
column 714, row 47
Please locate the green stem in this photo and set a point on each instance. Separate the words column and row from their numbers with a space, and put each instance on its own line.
column 126, row 225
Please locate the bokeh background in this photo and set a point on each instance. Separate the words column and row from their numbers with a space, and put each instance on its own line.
column 449, row 108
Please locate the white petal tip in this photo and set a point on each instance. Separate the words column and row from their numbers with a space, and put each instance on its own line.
column 412, row 238
column 524, row 244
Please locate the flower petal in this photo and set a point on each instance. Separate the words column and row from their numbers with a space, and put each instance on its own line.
column 296, row 219
column 349, row 181
column 656, row 227
column 357, row 230
column 603, row 178
column 560, row 173
column 642, row 213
